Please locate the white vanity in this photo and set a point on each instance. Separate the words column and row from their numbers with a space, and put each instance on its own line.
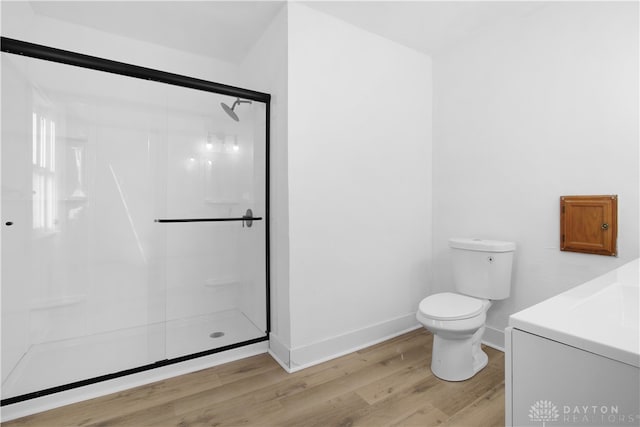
column 574, row 359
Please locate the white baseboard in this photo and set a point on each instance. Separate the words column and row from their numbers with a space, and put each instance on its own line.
column 56, row 400
column 279, row 351
column 321, row 351
column 494, row 338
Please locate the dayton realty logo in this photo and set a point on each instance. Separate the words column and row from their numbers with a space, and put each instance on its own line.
column 544, row 411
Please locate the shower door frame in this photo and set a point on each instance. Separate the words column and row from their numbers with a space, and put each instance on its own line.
column 19, row 47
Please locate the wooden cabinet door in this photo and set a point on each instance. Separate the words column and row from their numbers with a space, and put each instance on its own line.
column 589, row 224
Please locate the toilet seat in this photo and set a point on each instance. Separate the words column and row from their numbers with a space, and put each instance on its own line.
column 450, row 306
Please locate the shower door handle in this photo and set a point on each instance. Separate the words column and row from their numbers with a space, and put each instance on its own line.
column 170, row 220
column 247, row 218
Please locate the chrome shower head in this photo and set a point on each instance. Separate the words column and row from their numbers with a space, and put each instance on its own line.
column 230, row 110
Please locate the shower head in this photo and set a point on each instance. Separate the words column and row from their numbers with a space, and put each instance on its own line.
column 230, row 110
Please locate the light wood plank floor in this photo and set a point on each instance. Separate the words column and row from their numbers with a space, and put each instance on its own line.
column 389, row 384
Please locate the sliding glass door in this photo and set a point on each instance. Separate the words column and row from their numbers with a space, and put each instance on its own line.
column 214, row 260
column 134, row 224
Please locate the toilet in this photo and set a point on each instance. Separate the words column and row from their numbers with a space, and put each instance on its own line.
column 481, row 273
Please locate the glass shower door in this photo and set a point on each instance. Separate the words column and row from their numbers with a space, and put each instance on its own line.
column 82, row 290
column 133, row 225
column 215, row 255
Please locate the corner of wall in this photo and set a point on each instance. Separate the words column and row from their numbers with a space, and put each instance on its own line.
column 265, row 68
column 280, row 352
column 494, row 338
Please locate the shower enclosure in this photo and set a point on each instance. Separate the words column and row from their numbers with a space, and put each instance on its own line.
column 134, row 219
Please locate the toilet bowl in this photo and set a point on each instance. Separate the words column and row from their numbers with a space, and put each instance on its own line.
column 457, row 323
column 481, row 273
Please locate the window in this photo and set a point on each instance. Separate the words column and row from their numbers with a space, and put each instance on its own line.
column 44, row 174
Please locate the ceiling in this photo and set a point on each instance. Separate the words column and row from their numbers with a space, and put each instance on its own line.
column 220, row 29
column 227, row 29
column 427, row 26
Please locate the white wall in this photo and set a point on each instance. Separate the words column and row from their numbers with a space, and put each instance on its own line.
column 359, row 185
column 265, row 69
column 542, row 106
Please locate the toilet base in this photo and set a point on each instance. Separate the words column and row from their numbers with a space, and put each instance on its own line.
column 457, row 358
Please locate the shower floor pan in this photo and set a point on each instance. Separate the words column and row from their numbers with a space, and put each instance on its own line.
column 64, row 362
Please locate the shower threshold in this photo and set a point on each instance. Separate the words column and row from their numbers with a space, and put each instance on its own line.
column 80, row 361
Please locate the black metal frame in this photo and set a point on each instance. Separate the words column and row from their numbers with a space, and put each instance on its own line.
column 47, row 53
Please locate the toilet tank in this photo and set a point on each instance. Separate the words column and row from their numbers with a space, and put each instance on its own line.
column 482, row 268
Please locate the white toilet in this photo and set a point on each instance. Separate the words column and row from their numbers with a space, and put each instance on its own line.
column 481, row 273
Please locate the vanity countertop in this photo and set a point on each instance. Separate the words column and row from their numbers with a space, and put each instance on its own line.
column 599, row 316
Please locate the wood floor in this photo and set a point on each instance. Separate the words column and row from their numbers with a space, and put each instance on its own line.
column 389, row 384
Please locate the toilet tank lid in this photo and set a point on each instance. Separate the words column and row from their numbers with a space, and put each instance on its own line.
column 481, row 245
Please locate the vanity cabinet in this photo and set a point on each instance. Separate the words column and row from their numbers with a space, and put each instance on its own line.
column 551, row 381
column 574, row 359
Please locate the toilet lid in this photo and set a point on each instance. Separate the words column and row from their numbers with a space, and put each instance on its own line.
column 450, row 306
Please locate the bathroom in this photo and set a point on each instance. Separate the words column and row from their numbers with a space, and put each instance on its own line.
column 394, row 127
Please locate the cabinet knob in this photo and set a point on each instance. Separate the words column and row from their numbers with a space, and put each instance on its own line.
column 605, row 226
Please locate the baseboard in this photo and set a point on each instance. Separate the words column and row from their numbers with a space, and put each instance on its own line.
column 279, row 351
column 44, row 403
column 494, row 338
column 321, row 351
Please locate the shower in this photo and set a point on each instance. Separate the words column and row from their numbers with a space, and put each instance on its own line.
column 229, row 110
column 142, row 238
